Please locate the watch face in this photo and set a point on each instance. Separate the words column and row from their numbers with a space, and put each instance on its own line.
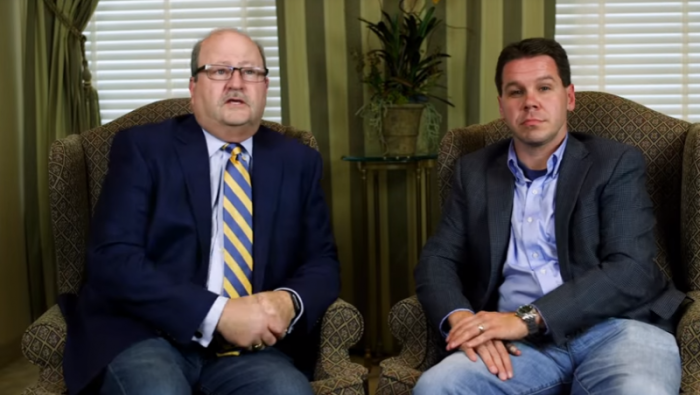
column 528, row 314
column 527, row 309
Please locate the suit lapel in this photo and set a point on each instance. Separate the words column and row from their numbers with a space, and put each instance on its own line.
column 192, row 152
column 266, row 178
column 572, row 171
column 499, row 201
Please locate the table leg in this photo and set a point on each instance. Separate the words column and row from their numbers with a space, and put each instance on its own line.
column 384, row 274
column 428, row 204
column 423, row 193
column 369, row 179
column 413, row 220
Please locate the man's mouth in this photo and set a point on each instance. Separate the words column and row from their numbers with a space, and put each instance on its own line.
column 531, row 122
column 235, row 101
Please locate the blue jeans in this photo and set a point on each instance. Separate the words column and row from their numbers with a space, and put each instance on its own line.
column 157, row 367
column 617, row 357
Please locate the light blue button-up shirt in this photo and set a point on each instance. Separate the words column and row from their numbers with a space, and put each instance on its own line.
column 218, row 158
column 531, row 269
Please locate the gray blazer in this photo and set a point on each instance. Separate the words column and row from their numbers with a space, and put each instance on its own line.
column 604, row 226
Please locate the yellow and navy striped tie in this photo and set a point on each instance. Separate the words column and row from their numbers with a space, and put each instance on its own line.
column 238, row 225
column 238, row 231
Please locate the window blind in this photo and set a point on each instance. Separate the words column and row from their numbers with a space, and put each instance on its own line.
column 139, row 50
column 646, row 51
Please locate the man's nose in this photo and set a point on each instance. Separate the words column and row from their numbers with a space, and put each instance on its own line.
column 236, row 80
column 531, row 101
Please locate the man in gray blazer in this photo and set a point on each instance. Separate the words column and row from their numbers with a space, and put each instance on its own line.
column 541, row 274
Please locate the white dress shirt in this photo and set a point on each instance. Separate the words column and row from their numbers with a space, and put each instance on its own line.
column 218, row 158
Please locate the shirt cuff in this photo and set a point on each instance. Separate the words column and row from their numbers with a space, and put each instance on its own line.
column 301, row 310
column 444, row 321
column 544, row 321
column 205, row 334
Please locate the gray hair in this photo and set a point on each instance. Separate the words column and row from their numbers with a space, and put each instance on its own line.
column 194, row 60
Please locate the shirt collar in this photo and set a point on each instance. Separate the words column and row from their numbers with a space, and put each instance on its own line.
column 553, row 162
column 214, row 144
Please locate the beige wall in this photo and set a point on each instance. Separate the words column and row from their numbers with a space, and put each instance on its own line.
column 14, row 292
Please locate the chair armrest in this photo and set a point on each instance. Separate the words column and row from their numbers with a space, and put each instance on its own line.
column 688, row 337
column 43, row 344
column 419, row 341
column 341, row 328
column 420, row 348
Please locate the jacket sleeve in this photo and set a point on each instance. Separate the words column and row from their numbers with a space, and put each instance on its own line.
column 438, row 284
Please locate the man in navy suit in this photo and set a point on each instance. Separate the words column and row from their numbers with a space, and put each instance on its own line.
column 211, row 257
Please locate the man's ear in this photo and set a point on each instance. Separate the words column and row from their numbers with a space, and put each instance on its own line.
column 193, row 83
column 570, row 97
column 500, row 106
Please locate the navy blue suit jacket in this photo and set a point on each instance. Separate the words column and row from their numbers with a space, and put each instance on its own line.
column 148, row 254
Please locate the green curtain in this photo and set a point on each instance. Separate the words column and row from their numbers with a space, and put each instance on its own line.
column 59, row 100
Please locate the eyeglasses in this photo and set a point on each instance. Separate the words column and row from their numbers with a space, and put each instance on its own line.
column 220, row 72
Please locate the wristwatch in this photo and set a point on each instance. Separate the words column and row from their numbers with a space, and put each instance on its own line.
column 528, row 313
column 296, row 302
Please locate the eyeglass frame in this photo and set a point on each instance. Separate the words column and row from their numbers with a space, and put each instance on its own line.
column 233, row 69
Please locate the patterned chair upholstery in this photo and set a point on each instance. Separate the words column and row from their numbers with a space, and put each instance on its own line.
column 77, row 165
column 672, row 151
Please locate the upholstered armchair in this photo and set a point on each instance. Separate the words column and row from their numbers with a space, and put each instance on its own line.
column 672, row 151
column 77, row 165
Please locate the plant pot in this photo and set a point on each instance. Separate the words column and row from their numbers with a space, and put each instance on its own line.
column 400, row 128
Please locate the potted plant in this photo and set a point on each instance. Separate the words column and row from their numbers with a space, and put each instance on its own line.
column 402, row 76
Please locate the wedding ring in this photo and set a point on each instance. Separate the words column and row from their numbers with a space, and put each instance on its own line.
column 481, row 329
column 258, row 347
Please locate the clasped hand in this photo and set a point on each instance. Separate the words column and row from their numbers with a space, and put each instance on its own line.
column 484, row 334
column 261, row 318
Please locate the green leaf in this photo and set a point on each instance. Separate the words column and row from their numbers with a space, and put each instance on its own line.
column 400, row 69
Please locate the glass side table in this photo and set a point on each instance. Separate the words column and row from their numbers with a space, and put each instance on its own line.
column 373, row 171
